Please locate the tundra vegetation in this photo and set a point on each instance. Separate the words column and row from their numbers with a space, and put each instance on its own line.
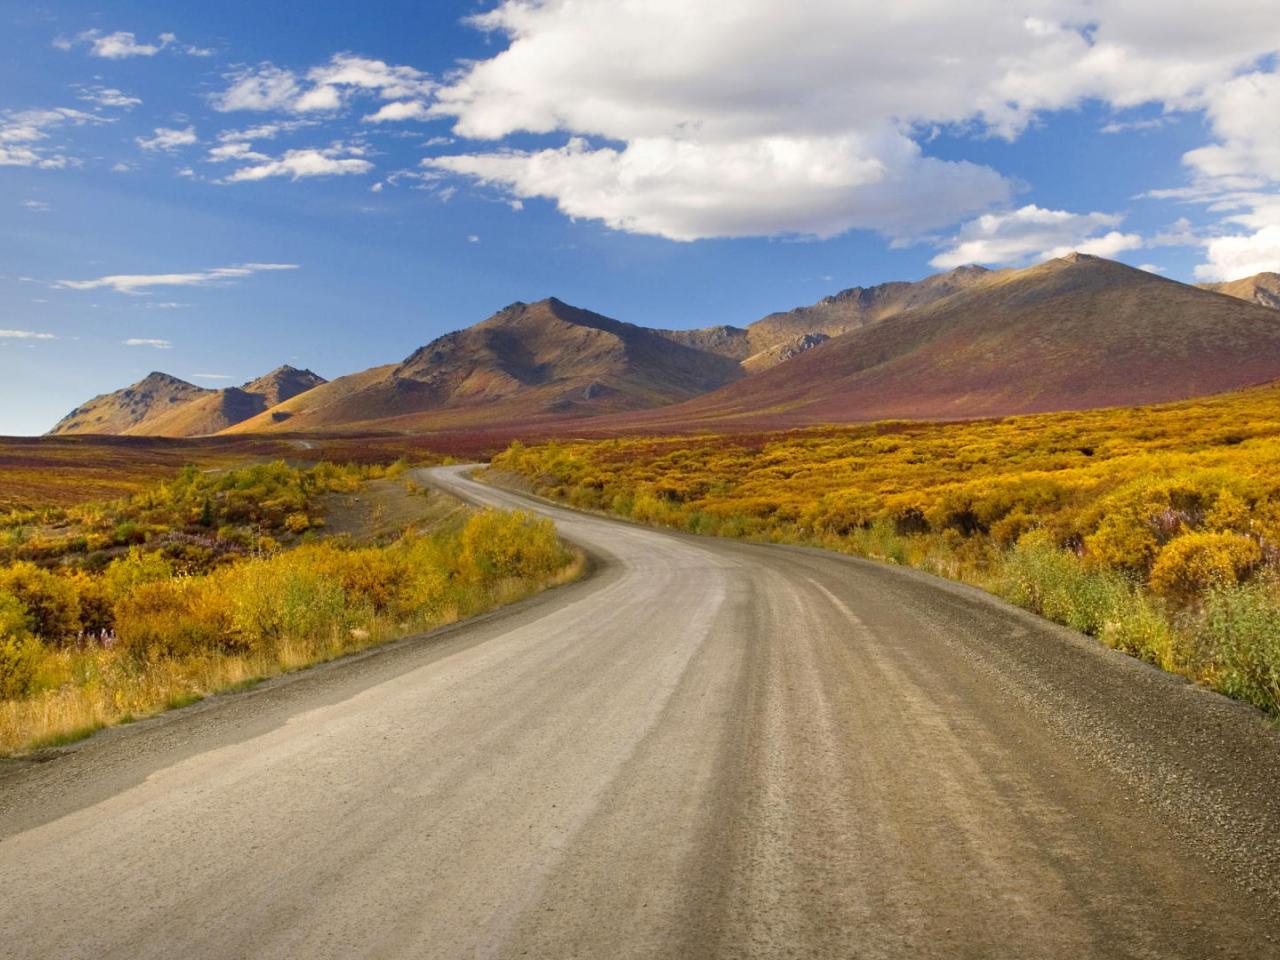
column 1155, row 529
column 210, row 580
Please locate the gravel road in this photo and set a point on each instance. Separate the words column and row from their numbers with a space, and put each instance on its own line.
column 707, row 749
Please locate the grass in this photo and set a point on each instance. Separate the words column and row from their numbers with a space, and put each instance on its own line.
column 176, row 632
column 1155, row 529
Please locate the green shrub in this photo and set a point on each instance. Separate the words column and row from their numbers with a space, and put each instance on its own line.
column 1242, row 627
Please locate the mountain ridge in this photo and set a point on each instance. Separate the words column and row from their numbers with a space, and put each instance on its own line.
column 162, row 405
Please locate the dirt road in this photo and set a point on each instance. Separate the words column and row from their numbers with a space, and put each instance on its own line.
column 708, row 749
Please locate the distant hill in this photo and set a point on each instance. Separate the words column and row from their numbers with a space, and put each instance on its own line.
column 161, row 405
column 220, row 409
column 1072, row 333
column 1262, row 289
column 528, row 362
column 781, row 336
column 154, row 396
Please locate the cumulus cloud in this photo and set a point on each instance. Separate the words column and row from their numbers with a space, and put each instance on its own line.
column 335, row 160
column 139, row 283
column 668, row 91
column 689, row 190
column 147, row 342
column 1033, row 233
column 1241, row 113
column 167, row 139
column 400, row 110
column 1242, row 255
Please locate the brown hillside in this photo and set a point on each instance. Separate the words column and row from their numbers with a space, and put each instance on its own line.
column 149, row 399
column 217, row 410
column 1072, row 333
column 536, row 361
column 1262, row 289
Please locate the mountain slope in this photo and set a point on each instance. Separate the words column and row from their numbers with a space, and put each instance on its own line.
column 527, row 362
column 781, row 336
column 1072, row 333
column 1262, row 289
column 218, row 410
column 152, row 397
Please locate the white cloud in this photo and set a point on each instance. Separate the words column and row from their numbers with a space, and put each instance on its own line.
column 123, row 44
column 137, row 283
column 23, row 132
column 210, row 376
column 1242, row 255
column 1178, row 234
column 1033, row 233
column 336, row 160
column 147, row 342
column 1151, row 268
column 811, row 105
column 1124, row 126
column 235, row 151
column 326, row 88
column 472, row 238
column 108, row 97
column 1241, row 113
column 25, row 335
column 400, row 110
column 36, row 206
column 168, row 139
column 689, row 190
column 266, row 87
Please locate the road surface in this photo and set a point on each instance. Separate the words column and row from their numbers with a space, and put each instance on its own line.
column 708, row 749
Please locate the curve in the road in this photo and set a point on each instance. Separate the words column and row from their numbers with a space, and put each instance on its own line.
column 709, row 749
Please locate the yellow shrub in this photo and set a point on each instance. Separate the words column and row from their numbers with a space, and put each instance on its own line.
column 172, row 619
column 50, row 600
column 297, row 522
column 133, row 570
column 19, row 661
column 1194, row 562
column 15, row 621
column 509, row 545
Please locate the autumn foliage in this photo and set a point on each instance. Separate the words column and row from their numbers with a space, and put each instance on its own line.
column 1149, row 527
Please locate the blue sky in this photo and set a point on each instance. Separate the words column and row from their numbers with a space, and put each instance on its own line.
column 215, row 189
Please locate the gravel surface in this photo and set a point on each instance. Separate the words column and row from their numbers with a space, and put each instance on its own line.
column 707, row 749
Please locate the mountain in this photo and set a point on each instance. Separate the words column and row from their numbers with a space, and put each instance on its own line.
column 1073, row 333
column 219, row 409
column 161, row 405
column 152, row 397
column 1262, row 288
column 529, row 362
column 781, row 336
